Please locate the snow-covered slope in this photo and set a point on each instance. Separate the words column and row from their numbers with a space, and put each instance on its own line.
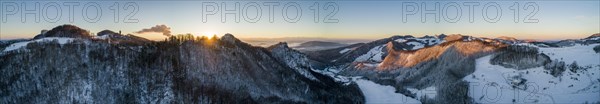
column 293, row 59
column 19, row 45
column 177, row 70
column 381, row 94
column 376, row 55
column 429, row 92
column 411, row 43
column 376, row 93
column 453, row 70
column 496, row 84
column 405, row 43
column 583, row 54
column 345, row 50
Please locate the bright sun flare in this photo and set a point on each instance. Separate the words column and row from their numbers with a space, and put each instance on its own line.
column 208, row 34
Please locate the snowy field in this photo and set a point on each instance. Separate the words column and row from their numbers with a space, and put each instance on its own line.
column 379, row 94
column 583, row 54
column 496, row 84
column 19, row 45
column 374, row 55
column 374, row 93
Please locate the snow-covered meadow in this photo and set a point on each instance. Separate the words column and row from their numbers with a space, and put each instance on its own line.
column 380, row 94
column 496, row 84
column 20, row 45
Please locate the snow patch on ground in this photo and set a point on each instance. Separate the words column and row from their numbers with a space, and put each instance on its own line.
column 496, row 84
column 332, row 72
column 594, row 38
column 19, row 45
column 429, row 41
column 103, row 37
column 416, row 45
column 401, row 40
column 419, row 43
column 371, row 64
column 345, row 50
column 375, row 54
column 526, row 44
column 583, row 54
column 379, row 94
column 374, row 93
column 429, row 92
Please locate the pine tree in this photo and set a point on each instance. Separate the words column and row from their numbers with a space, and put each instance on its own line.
column 574, row 67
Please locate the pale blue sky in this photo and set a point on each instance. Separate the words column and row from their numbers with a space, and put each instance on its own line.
column 357, row 19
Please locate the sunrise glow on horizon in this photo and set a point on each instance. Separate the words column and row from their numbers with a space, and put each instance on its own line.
column 339, row 19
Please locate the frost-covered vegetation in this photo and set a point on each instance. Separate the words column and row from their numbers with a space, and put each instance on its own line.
column 452, row 76
column 597, row 49
column 181, row 69
column 69, row 65
column 520, row 57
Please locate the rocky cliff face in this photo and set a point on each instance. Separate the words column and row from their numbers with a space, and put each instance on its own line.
column 226, row 70
column 292, row 58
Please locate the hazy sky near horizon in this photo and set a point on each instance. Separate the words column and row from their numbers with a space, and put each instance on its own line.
column 356, row 19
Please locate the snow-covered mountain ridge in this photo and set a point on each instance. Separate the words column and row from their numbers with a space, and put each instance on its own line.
column 445, row 65
column 80, row 68
column 67, row 64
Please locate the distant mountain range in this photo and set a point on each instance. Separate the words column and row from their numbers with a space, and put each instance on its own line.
column 451, row 65
column 318, row 45
column 296, row 41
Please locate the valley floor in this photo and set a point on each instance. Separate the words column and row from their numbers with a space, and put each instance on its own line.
column 378, row 94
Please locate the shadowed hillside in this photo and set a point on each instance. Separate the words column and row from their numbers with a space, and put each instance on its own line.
column 181, row 69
